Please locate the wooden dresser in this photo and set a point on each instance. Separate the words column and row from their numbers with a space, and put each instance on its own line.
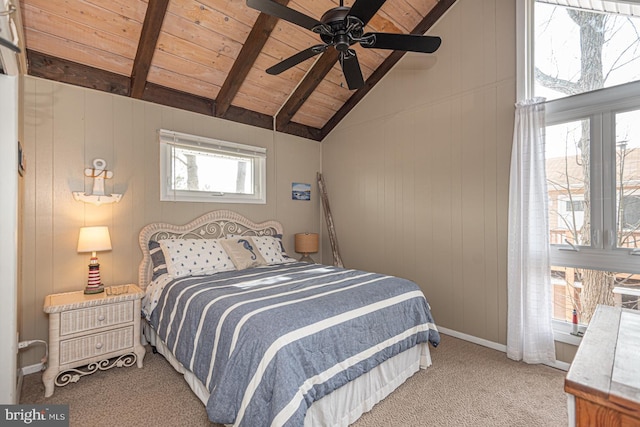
column 605, row 374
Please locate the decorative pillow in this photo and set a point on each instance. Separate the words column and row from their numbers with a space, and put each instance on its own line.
column 243, row 252
column 271, row 249
column 195, row 257
column 158, row 263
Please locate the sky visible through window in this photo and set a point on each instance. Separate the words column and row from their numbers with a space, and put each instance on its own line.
column 215, row 172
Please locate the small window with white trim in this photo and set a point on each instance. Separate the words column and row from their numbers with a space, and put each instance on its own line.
column 199, row 169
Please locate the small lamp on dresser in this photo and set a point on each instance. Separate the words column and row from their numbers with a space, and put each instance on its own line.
column 94, row 239
column 306, row 243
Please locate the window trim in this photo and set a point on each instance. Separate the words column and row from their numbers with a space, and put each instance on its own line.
column 562, row 332
column 524, row 51
column 169, row 139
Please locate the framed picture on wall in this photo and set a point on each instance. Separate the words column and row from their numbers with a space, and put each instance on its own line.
column 300, row 191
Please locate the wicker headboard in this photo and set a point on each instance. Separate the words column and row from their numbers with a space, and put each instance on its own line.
column 212, row 225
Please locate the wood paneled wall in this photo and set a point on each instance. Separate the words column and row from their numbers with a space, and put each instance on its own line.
column 64, row 128
column 418, row 173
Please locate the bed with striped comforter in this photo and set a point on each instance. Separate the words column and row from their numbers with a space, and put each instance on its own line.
column 267, row 342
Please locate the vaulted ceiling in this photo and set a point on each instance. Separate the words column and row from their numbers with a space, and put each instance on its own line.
column 210, row 56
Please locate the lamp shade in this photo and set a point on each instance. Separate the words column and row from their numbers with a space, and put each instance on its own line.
column 306, row 243
column 94, row 239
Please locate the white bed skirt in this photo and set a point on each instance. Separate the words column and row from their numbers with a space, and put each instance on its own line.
column 341, row 407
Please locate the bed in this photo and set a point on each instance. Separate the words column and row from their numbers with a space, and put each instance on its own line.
column 263, row 339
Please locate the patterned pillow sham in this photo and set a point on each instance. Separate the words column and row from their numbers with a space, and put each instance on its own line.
column 243, row 252
column 272, row 249
column 159, row 265
column 195, row 257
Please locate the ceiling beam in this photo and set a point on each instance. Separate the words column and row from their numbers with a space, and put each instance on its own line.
column 65, row 71
column 174, row 98
column 136, row 85
column 251, row 48
column 310, row 82
column 427, row 22
column 62, row 70
column 156, row 10
column 303, row 131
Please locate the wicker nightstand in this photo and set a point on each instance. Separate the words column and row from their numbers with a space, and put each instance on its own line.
column 88, row 330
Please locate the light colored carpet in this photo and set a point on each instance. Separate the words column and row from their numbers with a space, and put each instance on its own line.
column 468, row 385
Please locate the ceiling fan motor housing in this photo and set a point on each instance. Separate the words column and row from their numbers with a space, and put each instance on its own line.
column 335, row 16
column 345, row 29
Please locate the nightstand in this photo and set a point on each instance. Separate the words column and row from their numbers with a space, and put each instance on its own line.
column 88, row 333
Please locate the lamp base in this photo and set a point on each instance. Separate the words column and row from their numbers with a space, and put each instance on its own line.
column 307, row 258
column 94, row 284
column 93, row 289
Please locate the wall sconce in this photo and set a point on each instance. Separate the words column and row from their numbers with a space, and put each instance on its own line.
column 306, row 243
column 94, row 239
column 97, row 195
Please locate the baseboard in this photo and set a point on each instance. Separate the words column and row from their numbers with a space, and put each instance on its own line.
column 19, row 377
column 564, row 366
column 21, row 372
column 475, row 340
column 32, row 369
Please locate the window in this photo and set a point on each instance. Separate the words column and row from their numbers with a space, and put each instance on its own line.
column 198, row 169
column 587, row 65
column 593, row 180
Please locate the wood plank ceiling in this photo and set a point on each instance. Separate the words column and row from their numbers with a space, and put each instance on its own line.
column 210, row 56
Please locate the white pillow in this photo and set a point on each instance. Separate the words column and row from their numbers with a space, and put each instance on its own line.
column 270, row 248
column 195, row 257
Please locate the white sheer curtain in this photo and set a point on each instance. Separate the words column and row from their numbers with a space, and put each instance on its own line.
column 529, row 330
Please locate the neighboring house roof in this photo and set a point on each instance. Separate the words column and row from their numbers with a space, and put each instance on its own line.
column 559, row 168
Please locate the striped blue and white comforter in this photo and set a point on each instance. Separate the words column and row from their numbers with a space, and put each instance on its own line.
column 269, row 341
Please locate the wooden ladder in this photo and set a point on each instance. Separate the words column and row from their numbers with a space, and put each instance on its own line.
column 337, row 260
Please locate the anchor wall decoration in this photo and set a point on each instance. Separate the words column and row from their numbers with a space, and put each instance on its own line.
column 97, row 195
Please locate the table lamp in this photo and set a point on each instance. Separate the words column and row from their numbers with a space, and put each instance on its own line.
column 306, row 243
column 94, row 239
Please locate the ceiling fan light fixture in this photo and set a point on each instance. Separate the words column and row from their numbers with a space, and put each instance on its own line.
column 341, row 42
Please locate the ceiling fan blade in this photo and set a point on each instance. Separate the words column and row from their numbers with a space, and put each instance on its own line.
column 407, row 42
column 351, row 70
column 296, row 59
column 365, row 9
column 9, row 45
column 275, row 9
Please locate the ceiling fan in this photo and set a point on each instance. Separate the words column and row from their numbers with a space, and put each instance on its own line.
column 341, row 27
